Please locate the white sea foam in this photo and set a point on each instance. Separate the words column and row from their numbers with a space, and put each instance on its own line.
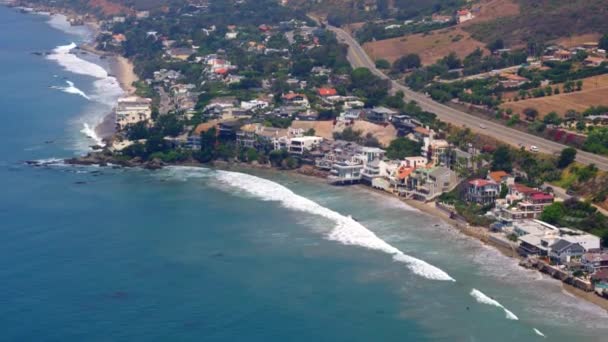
column 480, row 297
column 90, row 133
column 106, row 89
column 538, row 332
column 63, row 56
column 346, row 231
column 71, row 89
column 48, row 162
column 60, row 22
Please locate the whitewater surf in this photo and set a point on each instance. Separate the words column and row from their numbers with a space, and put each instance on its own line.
column 346, row 230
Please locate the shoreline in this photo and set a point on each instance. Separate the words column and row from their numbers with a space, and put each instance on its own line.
column 475, row 232
column 119, row 67
column 123, row 70
column 479, row 233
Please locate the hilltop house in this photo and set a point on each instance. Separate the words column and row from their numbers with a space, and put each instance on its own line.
column 295, row 99
column 324, row 92
column 380, row 115
column 464, row 15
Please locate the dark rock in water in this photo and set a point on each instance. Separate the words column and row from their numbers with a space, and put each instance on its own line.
column 80, row 182
column 154, row 164
column 97, row 147
column 37, row 53
column 217, row 255
column 49, row 141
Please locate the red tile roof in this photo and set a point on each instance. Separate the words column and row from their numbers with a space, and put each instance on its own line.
column 541, row 196
column 497, row 176
column 481, row 182
column 523, row 189
column 327, row 92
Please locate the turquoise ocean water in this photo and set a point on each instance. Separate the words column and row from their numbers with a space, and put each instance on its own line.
column 184, row 254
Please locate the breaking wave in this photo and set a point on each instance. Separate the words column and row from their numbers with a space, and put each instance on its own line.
column 346, row 230
column 63, row 56
column 106, row 91
column 71, row 89
column 480, row 297
column 537, row 332
column 91, row 134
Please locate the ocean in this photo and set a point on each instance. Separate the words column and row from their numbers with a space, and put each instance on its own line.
column 195, row 254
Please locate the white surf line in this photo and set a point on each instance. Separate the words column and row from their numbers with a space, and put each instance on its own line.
column 539, row 333
column 107, row 89
column 480, row 297
column 71, row 89
column 346, row 231
column 72, row 63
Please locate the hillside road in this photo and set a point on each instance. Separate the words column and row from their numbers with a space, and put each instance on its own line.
column 359, row 58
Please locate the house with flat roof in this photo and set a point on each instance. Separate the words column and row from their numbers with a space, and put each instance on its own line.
column 131, row 110
column 427, row 184
column 537, row 237
column 380, row 115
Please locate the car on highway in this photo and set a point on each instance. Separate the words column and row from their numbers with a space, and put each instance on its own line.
column 482, row 126
column 534, row 149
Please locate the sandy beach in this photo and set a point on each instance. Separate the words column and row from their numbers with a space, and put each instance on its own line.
column 482, row 234
column 124, row 71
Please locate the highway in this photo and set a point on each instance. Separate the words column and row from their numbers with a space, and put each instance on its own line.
column 358, row 58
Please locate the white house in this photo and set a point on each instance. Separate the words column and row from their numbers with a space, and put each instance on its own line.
column 131, row 110
column 254, row 104
column 300, row 145
column 464, row 15
column 415, row 162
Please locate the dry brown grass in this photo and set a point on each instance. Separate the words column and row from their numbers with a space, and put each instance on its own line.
column 492, row 9
column 322, row 129
column 384, row 134
column 325, row 129
column 574, row 41
column 110, row 7
column 430, row 47
column 594, row 93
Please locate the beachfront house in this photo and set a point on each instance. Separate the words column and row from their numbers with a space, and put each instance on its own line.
column 563, row 251
column 522, row 202
column 347, row 162
column 131, row 110
column 482, row 191
column 540, row 238
column 427, row 184
column 300, row 145
column 595, row 261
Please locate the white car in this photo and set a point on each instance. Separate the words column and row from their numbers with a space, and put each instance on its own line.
column 534, row 149
column 482, row 126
